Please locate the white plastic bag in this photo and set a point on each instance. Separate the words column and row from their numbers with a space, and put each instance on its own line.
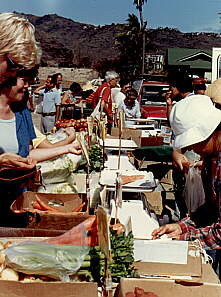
column 194, row 194
column 96, row 111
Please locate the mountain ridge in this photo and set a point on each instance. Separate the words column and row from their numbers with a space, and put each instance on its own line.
column 68, row 43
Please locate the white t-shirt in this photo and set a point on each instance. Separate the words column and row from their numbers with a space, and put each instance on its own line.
column 114, row 92
column 8, row 137
column 119, row 99
column 130, row 112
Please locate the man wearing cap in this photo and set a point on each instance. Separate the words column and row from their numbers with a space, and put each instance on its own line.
column 180, row 88
column 196, row 123
column 199, row 86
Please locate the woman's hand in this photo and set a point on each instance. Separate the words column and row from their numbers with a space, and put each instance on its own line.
column 14, row 161
column 74, row 148
column 171, row 230
column 180, row 161
column 168, row 98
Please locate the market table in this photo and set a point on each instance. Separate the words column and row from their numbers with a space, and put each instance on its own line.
column 74, row 111
column 161, row 153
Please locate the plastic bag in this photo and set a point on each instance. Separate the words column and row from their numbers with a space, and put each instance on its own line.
column 56, row 170
column 83, row 234
column 40, row 258
column 96, row 111
column 194, row 194
column 57, row 257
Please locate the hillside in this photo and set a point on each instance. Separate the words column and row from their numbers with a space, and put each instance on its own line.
column 68, row 43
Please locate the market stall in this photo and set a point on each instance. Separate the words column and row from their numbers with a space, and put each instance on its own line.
column 100, row 219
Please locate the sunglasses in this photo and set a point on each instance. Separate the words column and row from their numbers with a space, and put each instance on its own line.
column 12, row 65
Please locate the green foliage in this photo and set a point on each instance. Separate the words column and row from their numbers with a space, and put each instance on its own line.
column 130, row 41
column 122, row 255
column 122, row 250
column 96, row 157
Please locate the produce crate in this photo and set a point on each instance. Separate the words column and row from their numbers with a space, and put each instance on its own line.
column 7, row 232
column 152, row 140
column 39, row 287
column 47, row 220
column 43, row 289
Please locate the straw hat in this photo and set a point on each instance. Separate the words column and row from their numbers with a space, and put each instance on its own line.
column 214, row 91
column 193, row 120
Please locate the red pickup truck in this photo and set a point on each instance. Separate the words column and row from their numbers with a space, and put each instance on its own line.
column 152, row 101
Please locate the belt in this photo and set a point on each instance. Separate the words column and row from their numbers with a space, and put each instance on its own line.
column 45, row 114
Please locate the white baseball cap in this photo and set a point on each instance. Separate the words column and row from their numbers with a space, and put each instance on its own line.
column 193, row 119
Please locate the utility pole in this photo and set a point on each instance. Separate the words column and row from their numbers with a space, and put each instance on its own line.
column 143, row 51
column 139, row 4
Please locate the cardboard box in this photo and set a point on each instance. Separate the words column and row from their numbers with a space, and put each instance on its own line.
column 192, row 268
column 169, row 288
column 152, row 141
column 155, row 201
column 209, row 275
column 6, row 232
column 168, row 178
column 136, row 135
column 45, row 289
column 54, row 221
column 128, row 133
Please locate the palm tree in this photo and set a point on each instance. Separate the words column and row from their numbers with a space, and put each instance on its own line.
column 139, row 5
column 129, row 41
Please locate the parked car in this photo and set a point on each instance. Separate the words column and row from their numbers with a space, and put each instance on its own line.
column 152, row 99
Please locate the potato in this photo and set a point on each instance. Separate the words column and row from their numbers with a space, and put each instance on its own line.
column 28, row 279
column 8, row 244
column 2, row 258
column 1, row 246
column 9, row 274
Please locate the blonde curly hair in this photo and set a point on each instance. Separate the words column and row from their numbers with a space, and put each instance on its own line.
column 18, row 40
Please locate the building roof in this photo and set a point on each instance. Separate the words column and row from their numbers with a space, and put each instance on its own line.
column 193, row 58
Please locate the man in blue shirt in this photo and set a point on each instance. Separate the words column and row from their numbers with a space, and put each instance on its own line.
column 51, row 104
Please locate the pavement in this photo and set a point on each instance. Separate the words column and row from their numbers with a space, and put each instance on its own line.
column 36, row 119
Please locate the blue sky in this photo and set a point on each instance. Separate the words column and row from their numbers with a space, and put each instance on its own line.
column 185, row 15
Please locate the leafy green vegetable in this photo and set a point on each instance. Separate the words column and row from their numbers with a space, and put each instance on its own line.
column 122, row 254
column 96, row 157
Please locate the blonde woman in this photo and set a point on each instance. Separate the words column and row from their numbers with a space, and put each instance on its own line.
column 18, row 49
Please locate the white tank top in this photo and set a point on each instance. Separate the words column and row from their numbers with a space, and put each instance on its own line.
column 8, row 137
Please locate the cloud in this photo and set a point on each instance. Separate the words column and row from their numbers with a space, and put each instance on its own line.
column 214, row 27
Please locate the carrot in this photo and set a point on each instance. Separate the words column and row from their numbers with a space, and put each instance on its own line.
column 28, row 210
column 36, row 205
column 79, row 207
column 44, row 206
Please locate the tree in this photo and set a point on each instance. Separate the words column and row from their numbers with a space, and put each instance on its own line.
column 130, row 45
column 139, row 5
